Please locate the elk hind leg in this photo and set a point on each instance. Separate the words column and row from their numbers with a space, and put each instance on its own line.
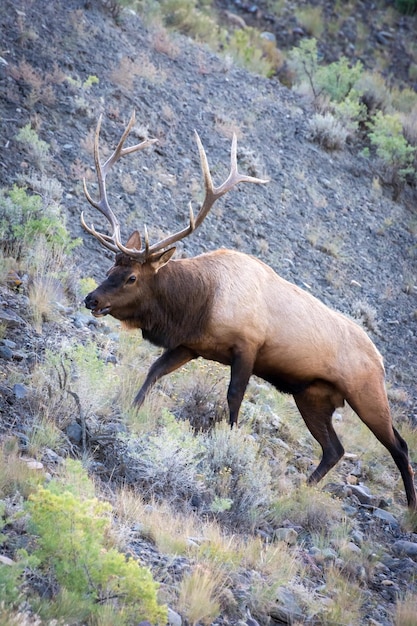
column 317, row 404
column 373, row 410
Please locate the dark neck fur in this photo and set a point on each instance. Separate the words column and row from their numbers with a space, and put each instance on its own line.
column 180, row 306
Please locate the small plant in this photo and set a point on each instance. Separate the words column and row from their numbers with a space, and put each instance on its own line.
column 311, row 19
column 248, row 49
column 190, row 17
column 15, row 474
column 72, row 547
column 38, row 86
column 25, row 218
column 406, row 611
column 37, row 149
column 313, row 510
column 199, row 595
column 328, row 131
column 408, row 7
column 335, row 91
column 387, row 137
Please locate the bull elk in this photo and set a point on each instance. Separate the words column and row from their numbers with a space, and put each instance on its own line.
column 232, row 308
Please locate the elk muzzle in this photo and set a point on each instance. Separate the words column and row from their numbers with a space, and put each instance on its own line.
column 92, row 303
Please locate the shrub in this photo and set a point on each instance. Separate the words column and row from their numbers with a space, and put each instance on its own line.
column 408, row 7
column 236, row 475
column 24, row 218
column 164, row 464
column 72, row 547
column 36, row 148
column 311, row 19
column 250, row 50
column 387, row 137
column 328, row 131
column 336, row 92
column 304, row 62
column 339, row 79
column 191, row 18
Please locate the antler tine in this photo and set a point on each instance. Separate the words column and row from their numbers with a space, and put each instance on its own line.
column 212, row 193
column 111, row 242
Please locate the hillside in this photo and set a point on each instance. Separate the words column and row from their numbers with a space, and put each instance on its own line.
column 324, row 222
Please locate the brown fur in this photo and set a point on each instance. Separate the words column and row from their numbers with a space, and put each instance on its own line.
column 234, row 309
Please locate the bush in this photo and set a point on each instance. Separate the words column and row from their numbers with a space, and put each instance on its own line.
column 328, row 131
column 336, row 93
column 72, row 546
column 36, row 148
column 408, row 7
column 387, row 137
column 24, row 218
column 190, row 17
column 250, row 50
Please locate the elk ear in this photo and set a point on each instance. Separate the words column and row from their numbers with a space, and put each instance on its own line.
column 160, row 259
column 134, row 241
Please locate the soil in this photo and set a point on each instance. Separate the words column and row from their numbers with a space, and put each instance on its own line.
column 325, row 221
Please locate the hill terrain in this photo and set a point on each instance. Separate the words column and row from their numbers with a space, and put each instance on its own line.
column 325, row 222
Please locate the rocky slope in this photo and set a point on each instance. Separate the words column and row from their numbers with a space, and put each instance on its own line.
column 323, row 221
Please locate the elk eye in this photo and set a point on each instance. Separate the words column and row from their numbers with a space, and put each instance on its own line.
column 131, row 278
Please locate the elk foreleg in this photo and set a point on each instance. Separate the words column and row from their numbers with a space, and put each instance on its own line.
column 168, row 362
column 241, row 371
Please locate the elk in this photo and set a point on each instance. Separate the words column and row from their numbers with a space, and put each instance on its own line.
column 232, row 308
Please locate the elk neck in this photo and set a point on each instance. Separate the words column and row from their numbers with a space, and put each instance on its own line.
column 177, row 305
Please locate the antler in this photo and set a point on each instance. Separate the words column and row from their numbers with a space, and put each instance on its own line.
column 112, row 242
column 212, row 194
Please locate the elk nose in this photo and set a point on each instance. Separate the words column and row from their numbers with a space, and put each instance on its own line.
column 90, row 302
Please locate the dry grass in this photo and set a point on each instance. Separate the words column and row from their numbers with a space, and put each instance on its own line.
column 346, row 599
column 16, row 475
column 328, row 131
column 127, row 70
column 199, row 594
column 46, row 291
column 406, row 611
column 44, row 433
column 163, row 42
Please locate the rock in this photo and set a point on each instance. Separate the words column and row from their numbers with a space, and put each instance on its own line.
column 173, row 618
column 74, row 432
column 10, row 319
column 33, row 464
column 6, row 353
column 284, row 615
column 5, row 560
column 288, row 535
column 20, row 391
column 362, row 493
column 386, row 517
column 408, row 548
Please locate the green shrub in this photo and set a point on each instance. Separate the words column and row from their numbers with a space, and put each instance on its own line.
column 337, row 81
column 387, row 137
column 36, row 148
column 248, row 49
column 408, row 7
column 191, row 17
column 72, row 546
column 24, row 218
column 304, row 62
